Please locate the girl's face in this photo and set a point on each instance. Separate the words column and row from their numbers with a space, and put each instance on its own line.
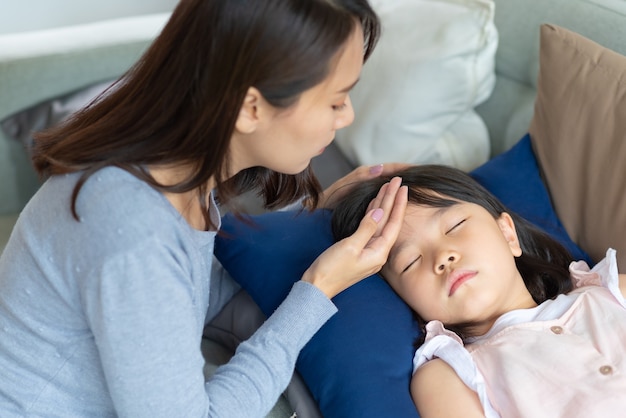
column 285, row 140
column 457, row 265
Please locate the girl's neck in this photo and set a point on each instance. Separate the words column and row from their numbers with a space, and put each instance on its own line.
column 522, row 300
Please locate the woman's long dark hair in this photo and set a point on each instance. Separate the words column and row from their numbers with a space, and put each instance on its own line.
column 179, row 103
column 544, row 263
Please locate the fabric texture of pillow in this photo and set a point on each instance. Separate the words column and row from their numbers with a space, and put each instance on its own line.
column 578, row 133
column 433, row 64
column 360, row 362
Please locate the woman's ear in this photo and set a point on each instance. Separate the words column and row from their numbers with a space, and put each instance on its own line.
column 507, row 226
column 250, row 112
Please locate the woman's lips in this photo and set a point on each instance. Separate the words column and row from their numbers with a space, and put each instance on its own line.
column 457, row 278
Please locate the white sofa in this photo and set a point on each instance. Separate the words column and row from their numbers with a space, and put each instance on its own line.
column 29, row 78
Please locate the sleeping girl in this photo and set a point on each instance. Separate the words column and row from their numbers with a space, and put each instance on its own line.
column 512, row 326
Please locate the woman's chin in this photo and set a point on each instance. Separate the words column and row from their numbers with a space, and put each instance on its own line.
column 293, row 171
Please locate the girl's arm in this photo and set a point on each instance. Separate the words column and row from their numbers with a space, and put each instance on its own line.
column 439, row 392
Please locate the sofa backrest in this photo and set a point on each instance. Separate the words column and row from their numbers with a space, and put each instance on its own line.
column 31, row 15
column 510, row 108
column 49, row 48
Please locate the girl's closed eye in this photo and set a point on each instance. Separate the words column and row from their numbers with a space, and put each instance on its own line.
column 411, row 264
column 456, row 226
column 340, row 106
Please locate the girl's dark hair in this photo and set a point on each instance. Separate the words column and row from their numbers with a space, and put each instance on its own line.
column 180, row 101
column 544, row 263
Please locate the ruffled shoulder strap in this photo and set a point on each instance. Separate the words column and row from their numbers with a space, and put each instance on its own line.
column 603, row 274
column 446, row 345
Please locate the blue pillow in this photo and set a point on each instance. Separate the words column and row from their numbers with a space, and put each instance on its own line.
column 514, row 178
column 359, row 364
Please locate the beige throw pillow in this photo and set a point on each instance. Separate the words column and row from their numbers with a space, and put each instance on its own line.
column 579, row 136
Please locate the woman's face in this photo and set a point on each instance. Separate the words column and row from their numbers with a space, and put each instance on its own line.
column 285, row 140
column 457, row 265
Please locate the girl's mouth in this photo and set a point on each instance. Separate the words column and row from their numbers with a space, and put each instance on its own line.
column 457, row 278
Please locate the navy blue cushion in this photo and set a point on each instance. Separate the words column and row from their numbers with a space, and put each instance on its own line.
column 514, row 177
column 359, row 364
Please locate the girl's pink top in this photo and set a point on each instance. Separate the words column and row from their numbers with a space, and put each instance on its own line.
column 563, row 358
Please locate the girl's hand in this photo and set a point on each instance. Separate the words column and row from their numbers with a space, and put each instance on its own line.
column 364, row 252
column 338, row 189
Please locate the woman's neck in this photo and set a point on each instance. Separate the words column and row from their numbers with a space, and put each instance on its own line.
column 187, row 203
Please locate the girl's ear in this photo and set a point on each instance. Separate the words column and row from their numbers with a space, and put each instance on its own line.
column 251, row 112
column 507, row 226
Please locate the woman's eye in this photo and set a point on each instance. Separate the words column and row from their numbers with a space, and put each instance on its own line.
column 340, row 107
column 456, row 226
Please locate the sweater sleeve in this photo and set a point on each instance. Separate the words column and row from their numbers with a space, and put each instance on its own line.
column 251, row 382
column 147, row 318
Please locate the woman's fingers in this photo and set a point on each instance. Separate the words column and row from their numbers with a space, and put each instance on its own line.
column 338, row 189
column 388, row 199
column 392, row 201
column 377, row 201
column 387, row 232
column 366, row 250
column 385, row 199
column 390, row 168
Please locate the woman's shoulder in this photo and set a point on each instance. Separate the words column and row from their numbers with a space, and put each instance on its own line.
column 114, row 208
column 115, row 195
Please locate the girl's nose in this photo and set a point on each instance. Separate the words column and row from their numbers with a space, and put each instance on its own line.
column 444, row 261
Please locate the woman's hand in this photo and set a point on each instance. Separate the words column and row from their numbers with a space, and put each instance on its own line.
column 364, row 252
column 338, row 189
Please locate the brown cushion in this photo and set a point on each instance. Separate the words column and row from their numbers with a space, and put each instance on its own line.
column 579, row 136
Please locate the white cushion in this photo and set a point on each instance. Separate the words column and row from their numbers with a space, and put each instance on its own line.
column 434, row 63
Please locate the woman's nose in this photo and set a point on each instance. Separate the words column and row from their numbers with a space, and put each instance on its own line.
column 346, row 116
